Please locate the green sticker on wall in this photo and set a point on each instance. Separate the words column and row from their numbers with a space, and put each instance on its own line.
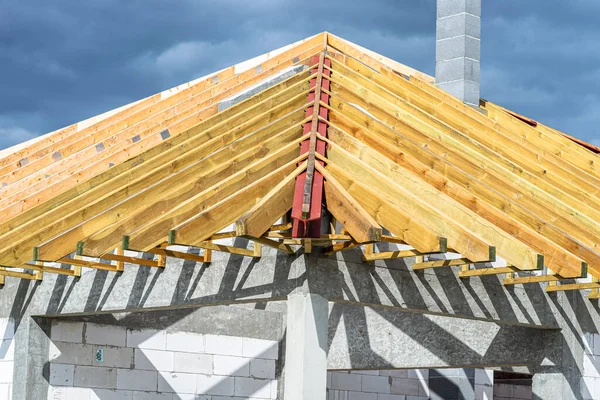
column 100, row 355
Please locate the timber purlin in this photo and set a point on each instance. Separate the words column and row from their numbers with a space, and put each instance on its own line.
column 371, row 142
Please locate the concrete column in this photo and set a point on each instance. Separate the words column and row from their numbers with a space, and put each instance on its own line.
column 458, row 47
column 32, row 346
column 306, row 347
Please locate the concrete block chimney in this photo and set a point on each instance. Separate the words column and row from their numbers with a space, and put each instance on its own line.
column 458, row 48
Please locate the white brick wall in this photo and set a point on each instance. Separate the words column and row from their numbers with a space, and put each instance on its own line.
column 7, row 354
column 156, row 365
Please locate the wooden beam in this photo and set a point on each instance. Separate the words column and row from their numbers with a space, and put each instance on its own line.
column 132, row 260
column 140, row 209
column 572, row 286
column 391, row 255
column 38, row 276
column 118, row 120
column 146, row 128
column 450, row 180
column 200, row 227
column 269, row 209
column 486, row 271
column 226, row 249
column 457, row 262
column 177, row 254
column 385, row 194
column 52, row 270
column 361, row 226
column 340, row 247
column 89, row 264
column 114, row 185
column 554, row 278
column 272, row 243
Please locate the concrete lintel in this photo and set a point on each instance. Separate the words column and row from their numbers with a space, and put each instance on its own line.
column 375, row 338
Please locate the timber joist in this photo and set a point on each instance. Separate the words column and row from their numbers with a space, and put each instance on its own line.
column 338, row 130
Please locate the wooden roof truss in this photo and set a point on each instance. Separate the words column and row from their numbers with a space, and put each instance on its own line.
column 377, row 143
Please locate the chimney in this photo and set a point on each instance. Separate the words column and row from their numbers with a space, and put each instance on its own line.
column 458, row 48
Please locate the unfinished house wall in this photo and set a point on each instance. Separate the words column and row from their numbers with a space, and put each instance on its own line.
column 156, row 364
column 415, row 384
column 378, row 385
column 590, row 382
column 506, row 391
column 7, row 353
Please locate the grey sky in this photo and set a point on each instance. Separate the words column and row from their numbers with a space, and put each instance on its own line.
column 62, row 61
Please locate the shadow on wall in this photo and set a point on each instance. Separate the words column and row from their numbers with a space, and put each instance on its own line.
column 344, row 276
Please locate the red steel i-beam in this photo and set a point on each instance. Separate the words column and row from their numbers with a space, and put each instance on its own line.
column 309, row 226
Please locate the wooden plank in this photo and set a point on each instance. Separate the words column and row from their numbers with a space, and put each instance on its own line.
column 361, row 226
column 134, row 180
column 392, row 255
column 408, row 188
column 142, row 208
column 560, row 190
column 451, row 180
column 155, row 232
column 199, row 227
column 89, row 264
column 209, row 88
column 374, row 60
column 21, row 275
column 486, row 271
column 177, row 254
column 478, row 126
column 272, row 243
column 522, row 280
column 340, row 247
column 132, row 260
column 51, row 270
column 226, row 249
column 572, row 286
column 269, row 209
column 457, row 262
column 386, row 191
column 390, row 216
column 260, row 110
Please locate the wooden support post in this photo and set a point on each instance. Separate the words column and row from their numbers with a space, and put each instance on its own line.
column 121, row 252
column 207, row 255
column 369, row 250
column 594, row 294
column 307, row 245
column 257, row 250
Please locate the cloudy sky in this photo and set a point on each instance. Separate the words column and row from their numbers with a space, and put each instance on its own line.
column 62, row 61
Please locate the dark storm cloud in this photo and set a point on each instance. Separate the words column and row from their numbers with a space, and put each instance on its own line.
column 64, row 61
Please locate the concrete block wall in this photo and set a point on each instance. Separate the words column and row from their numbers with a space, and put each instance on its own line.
column 157, row 365
column 378, row 385
column 7, row 353
column 590, row 382
column 410, row 384
column 505, row 391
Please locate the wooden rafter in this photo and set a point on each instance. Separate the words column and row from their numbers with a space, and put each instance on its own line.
column 401, row 154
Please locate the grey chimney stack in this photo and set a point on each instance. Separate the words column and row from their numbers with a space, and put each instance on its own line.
column 458, row 48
